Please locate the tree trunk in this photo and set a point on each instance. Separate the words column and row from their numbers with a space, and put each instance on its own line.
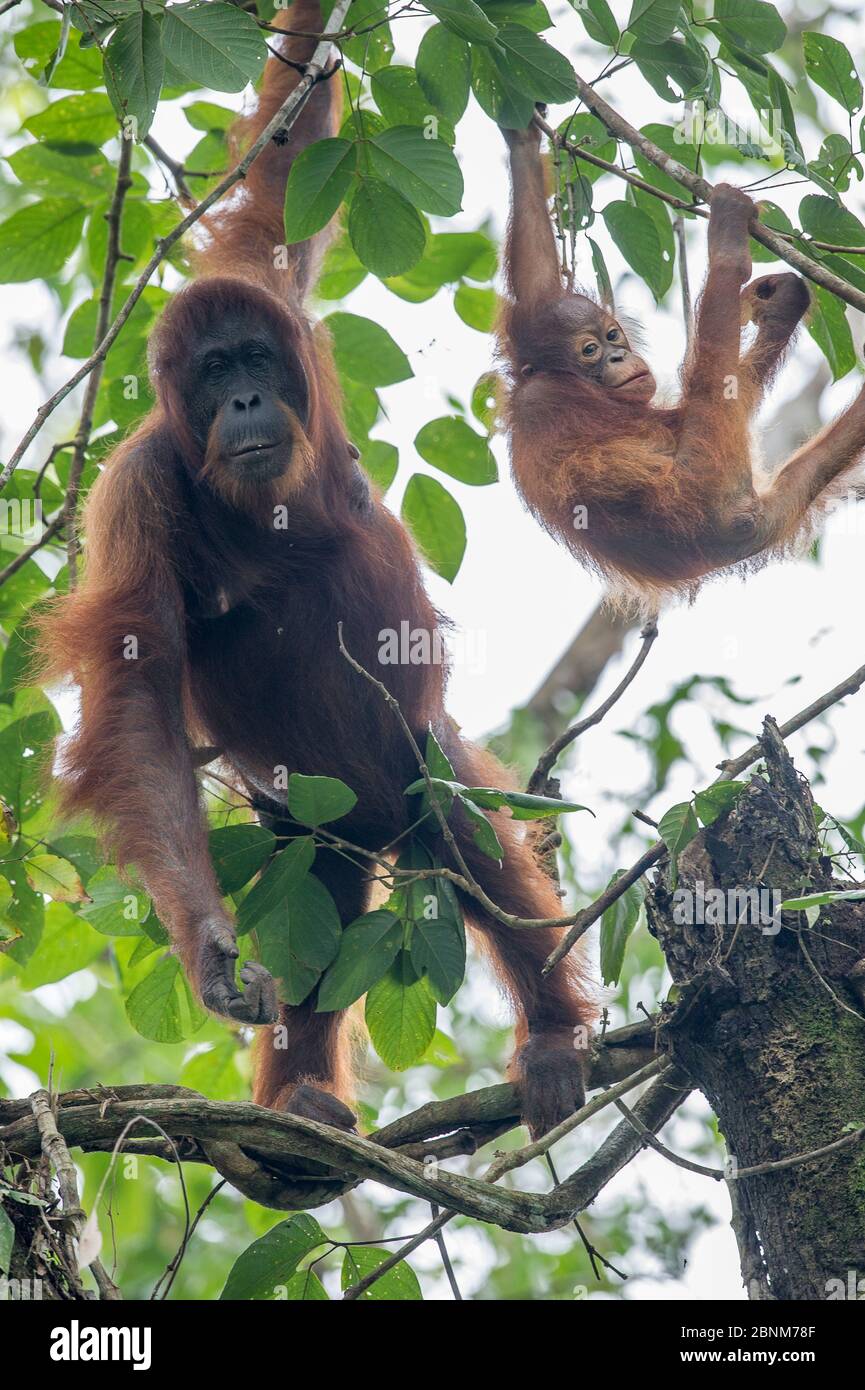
column 768, row 1021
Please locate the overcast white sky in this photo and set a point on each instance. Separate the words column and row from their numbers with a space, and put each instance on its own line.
column 798, row 620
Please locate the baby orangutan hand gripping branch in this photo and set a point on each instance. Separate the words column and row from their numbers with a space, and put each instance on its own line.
column 229, row 535
column 653, row 497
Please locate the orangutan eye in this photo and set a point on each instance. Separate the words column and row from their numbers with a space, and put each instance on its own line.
column 613, row 335
column 214, row 368
column 590, row 349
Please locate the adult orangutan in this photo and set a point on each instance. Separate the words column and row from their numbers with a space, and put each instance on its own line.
column 235, row 620
column 654, row 497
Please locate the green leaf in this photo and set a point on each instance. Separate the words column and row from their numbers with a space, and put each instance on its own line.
column 496, row 93
column 751, row 25
column 36, row 241
column 423, row 171
column 372, row 46
column 317, row 183
column 477, row 307
column 444, row 69
column 464, row 18
column 7, row 1240
column 300, row 938
column 522, row 805
column 399, row 1285
column 717, row 799
column 317, row 800
column 161, row 1006
column 483, row 833
column 438, row 946
column 677, row 828
column 134, row 67
column 365, row 352
column 84, row 119
column 266, row 1266
column 367, row 950
column 826, row 220
column 400, row 1014
column 55, row 877
column 532, row 66
column 78, row 69
column 279, row 880
column 635, row 235
column 672, row 62
column 653, row 20
column 384, row 229
column 24, row 751
column 215, row 45
column 402, row 102
column 448, row 257
column 617, row 924
column 380, row 461
column 237, row 852
column 453, row 446
column 84, row 175
column 828, row 63
column 599, row 20
column 208, row 115
column 818, row 899
column 116, row 908
column 341, row 272
column 437, row 761
column 828, row 326
column 437, row 524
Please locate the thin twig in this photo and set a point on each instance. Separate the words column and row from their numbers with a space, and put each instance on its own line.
column 548, row 758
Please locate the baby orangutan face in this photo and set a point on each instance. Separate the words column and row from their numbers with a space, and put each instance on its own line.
column 602, row 351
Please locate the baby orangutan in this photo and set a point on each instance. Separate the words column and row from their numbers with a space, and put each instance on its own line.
column 654, row 497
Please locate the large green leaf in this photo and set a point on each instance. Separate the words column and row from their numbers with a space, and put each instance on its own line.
column 444, row 68
column 751, row 25
column 464, row 18
column 161, row 1006
column 663, row 64
column 266, row 1266
column 134, row 66
column 319, row 180
column 828, row 63
column 237, row 852
column 276, row 884
column 24, row 751
column 400, row 1014
column 437, row 524
column 400, row 1284
column 365, row 351
column 36, row 241
column 214, row 44
column 384, row 228
column 424, row 171
column 532, row 66
column 84, row 119
column 367, row 950
column 653, row 20
column 635, row 234
column 617, row 924
column 317, row 800
column 453, row 446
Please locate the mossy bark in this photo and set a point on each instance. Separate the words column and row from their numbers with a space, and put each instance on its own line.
column 769, row 1025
